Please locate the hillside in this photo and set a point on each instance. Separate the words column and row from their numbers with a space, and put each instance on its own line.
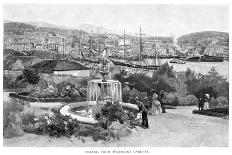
column 96, row 29
column 203, row 36
column 18, row 28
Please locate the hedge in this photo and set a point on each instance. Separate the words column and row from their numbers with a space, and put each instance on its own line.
column 33, row 99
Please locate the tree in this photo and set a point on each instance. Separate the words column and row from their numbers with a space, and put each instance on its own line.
column 29, row 76
column 166, row 69
column 211, row 83
column 17, row 66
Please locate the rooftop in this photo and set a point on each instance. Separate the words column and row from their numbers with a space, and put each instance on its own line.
column 59, row 65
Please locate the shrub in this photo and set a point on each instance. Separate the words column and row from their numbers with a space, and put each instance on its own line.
column 12, row 130
column 129, row 96
column 111, row 113
column 166, row 69
column 222, row 100
column 213, row 103
column 29, row 76
column 17, row 66
column 11, row 118
column 171, row 99
column 56, row 125
column 188, row 100
column 175, row 101
column 28, row 118
column 10, row 82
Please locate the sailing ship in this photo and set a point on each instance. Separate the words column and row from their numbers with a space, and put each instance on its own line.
column 140, row 58
column 205, row 58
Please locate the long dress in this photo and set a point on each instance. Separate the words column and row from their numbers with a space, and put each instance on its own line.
column 206, row 105
column 156, row 107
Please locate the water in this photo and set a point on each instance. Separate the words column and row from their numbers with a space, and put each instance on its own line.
column 201, row 67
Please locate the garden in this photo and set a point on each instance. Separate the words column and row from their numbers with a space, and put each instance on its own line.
column 181, row 89
column 46, row 88
column 20, row 118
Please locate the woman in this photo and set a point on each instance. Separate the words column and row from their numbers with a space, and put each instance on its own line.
column 156, row 106
column 206, row 101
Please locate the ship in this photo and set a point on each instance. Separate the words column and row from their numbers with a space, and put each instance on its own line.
column 205, row 58
column 139, row 59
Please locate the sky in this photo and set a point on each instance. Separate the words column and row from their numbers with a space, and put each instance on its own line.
column 158, row 20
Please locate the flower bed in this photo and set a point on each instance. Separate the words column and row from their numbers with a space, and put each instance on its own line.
column 217, row 112
column 24, row 96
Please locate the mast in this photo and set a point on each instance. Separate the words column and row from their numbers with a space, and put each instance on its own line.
column 156, row 60
column 90, row 39
column 124, row 42
column 79, row 41
column 140, row 43
column 63, row 47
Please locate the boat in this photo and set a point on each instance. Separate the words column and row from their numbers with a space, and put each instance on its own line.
column 178, row 61
column 208, row 58
column 140, row 58
column 205, row 58
column 194, row 59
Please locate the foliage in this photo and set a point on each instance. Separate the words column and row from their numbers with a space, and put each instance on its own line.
column 29, row 76
column 206, row 90
column 110, row 113
column 171, row 99
column 188, row 100
column 221, row 100
column 217, row 112
column 164, row 77
column 10, row 82
column 56, row 125
column 66, row 89
column 129, row 96
column 17, row 66
column 11, row 118
column 211, row 83
column 28, row 118
column 165, row 69
column 213, row 102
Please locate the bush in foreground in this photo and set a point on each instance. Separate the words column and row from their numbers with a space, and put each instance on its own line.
column 12, row 119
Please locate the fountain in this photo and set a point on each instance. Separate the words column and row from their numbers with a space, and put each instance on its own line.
column 99, row 91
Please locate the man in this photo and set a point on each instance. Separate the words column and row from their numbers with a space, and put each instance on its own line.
column 201, row 103
column 144, row 111
column 161, row 99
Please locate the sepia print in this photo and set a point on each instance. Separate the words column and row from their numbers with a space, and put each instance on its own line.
column 115, row 75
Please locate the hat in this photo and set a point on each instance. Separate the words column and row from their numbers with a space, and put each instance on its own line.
column 207, row 95
column 155, row 96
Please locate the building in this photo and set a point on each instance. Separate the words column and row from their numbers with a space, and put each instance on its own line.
column 19, row 46
column 216, row 50
column 61, row 67
column 121, row 42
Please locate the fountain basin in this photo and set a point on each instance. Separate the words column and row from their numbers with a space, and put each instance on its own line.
column 79, row 111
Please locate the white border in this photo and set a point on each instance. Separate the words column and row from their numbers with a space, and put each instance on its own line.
column 152, row 150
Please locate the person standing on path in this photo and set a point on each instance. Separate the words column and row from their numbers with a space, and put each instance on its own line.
column 206, row 101
column 156, row 106
column 144, row 111
column 161, row 99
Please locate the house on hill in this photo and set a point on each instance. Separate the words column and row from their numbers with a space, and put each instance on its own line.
column 61, row 67
column 216, row 50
